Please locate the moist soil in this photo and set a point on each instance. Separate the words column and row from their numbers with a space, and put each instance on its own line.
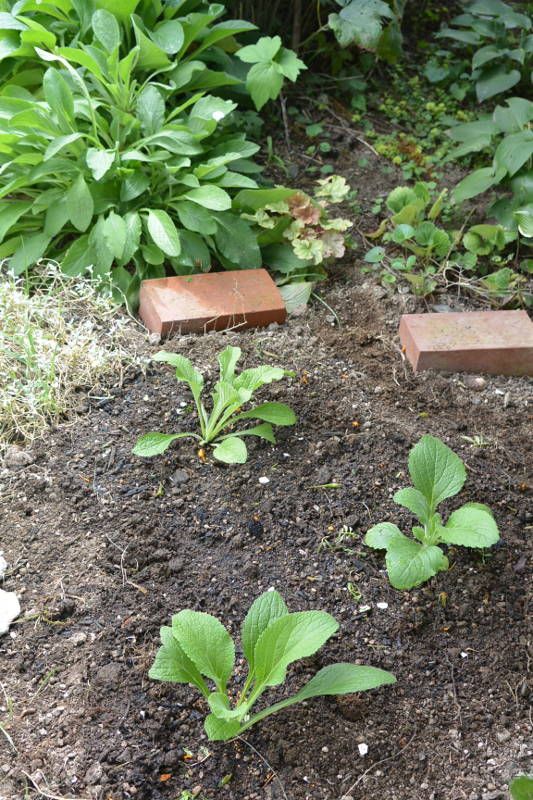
column 104, row 547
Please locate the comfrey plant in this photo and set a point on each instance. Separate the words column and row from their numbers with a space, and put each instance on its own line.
column 437, row 473
column 230, row 393
column 198, row 649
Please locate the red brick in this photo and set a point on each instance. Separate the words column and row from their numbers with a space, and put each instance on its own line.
column 496, row 342
column 211, row 301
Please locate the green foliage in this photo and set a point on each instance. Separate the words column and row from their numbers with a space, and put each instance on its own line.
column 437, row 474
column 271, row 64
column 501, row 44
column 229, row 394
column 115, row 155
column 370, row 24
column 521, row 787
column 197, row 649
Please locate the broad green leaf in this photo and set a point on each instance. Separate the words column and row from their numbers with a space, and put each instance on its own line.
column 99, row 161
column 524, row 218
column 195, row 217
column 521, row 787
column 163, row 232
column 236, row 241
column 80, row 204
column 264, row 82
column 514, row 151
column 476, row 183
column 150, row 110
column 60, row 143
column 263, row 431
column 78, row 257
column 375, row 255
column 254, row 199
column 153, row 444
column 231, row 451
column 289, row 639
column 472, row 525
column 381, row 535
column 415, row 501
column 436, row 471
column 184, row 370
column 169, row 36
column 59, row 96
column 151, row 56
column 267, row 608
column 10, row 212
column 171, row 664
column 495, row 81
column 133, row 186
column 296, row 295
column 275, row 413
column 514, row 116
column 265, row 49
column 194, row 255
column 106, row 29
column 360, row 21
column 344, row 679
column 121, row 9
column 219, row 705
column 114, row 234
column 255, row 377
column 219, row 730
column 207, row 643
column 31, row 248
column 290, row 64
column 209, row 196
column 133, row 235
column 227, row 360
column 410, row 563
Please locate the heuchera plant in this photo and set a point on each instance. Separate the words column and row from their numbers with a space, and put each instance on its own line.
column 198, row 650
column 437, row 473
column 230, row 393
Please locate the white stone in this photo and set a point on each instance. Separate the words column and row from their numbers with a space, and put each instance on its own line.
column 264, row 480
column 363, row 749
column 382, row 606
column 9, row 610
column 3, row 565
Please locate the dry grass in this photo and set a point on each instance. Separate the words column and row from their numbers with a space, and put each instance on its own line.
column 57, row 336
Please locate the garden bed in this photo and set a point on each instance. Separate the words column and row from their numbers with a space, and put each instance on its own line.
column 104, row 547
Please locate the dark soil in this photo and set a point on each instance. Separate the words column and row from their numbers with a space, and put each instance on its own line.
column 104, row 547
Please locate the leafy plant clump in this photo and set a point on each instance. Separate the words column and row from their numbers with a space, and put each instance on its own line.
column 116, row 153
column 198, row 648
column 437, row 473
column 230, row 393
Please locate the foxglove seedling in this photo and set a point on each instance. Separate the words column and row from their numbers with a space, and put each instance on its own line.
column 230, row 393
column 437, row 473
column 198, row 650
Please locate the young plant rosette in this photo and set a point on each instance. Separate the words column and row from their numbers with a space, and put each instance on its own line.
column 197, row 649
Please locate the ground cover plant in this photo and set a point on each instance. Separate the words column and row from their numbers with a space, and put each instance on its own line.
column 198, row 646
column 437, row 474
column 230, row 393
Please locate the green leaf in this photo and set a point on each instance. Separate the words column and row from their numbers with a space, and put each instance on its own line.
column 114, row 234
column 495, row 81
column 169, row 36
column 32, row 247
column 472, row 525
column 524, row 218
column 231, row 451
column 106, row 29
column 150, row 110
column 296, row 295
column 195, row 218
column 171, row 664
column 151, row 56
column 99, row 162
column 78, row 257
column 263, row 431
column 207, row 643
column 184, row 370
column 209, row 196
column 264, row 82
column 133, row 186
column 265, row 49
column 80, row 204
column 133, row 236
column 220, row 730
column 436, row 471
column 410, row 563
column 219, row 704
column 521, row 787
column 153, row 444
column 275, row 413
column 375, row 255
column 252, row 379
column 59, row 96
column 415, row 501
column 61, row 142
column 381, row 535
column 267, row 608
column 360, row 21
column 476, row 183
column 288, row 639
column 236, row 241
column 290, row 64
column 10, row 213
column 163, row 232
column 514, row 151
column 337, row 679
column 227, row 360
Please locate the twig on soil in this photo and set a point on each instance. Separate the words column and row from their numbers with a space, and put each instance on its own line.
column 45, row 792
column 377, row 764
column 283, row 104
column 454, row 687
column 269, row 766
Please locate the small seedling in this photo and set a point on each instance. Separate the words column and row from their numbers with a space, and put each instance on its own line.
column 230, row 393
column 437, row 473
column 198, row 649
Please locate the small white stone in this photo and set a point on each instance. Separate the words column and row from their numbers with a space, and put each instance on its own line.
column 464, row 655
column 264, row 480
column 3, row 565
column 363, row 749
column 382, row 606
column 364, row 609
column 9, row 610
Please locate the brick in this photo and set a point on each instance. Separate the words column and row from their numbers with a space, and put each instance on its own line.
column 211, row 301
column 496, row 342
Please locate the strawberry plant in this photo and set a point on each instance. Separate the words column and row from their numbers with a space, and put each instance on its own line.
column 197, row 649
column 230, row 393
column 437, row 474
